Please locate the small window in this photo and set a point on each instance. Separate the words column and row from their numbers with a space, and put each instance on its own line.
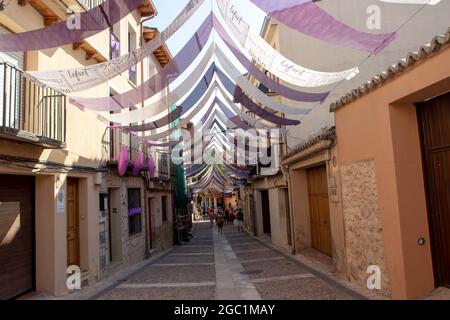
column 134, row 212
column 164, row 208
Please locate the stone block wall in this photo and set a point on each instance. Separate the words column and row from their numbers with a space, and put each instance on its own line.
column 362, row 220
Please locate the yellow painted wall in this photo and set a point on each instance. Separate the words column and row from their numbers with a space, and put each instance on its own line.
column 84, row 147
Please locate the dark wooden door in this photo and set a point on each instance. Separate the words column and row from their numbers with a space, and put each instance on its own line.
column 319, row 209
column 73, row 238
column 434, row 119
column 16, row 235
column 266, row 211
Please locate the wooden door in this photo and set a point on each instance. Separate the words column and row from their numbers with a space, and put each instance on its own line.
column 16, row 235
column 266, row 211
column 434, row 119
column 149, row 217
column 319, row 209
column 73, row 238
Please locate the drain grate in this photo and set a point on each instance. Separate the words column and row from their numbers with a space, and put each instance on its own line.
column 249, row 272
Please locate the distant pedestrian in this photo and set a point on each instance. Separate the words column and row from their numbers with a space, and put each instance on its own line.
column 232, row 216
column 219, row 222
column 240, row 220
column 226, row 217
column 211, row 218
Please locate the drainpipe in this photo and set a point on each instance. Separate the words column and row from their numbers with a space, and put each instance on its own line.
column 291, row 210
column 146, row 204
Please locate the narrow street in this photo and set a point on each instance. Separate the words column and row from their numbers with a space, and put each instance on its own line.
column 232, row 266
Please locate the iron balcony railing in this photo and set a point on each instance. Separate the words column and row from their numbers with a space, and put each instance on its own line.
column 163, row 165
column 119, row 138
column 30, row 112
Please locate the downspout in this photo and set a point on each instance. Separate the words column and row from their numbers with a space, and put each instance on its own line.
column 146, row 205
column 291, row 211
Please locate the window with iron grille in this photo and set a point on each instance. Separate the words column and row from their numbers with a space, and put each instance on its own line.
column 134, row 212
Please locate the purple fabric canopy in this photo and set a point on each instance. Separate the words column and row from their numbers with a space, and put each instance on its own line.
column 165, row 120
column 92, row 22
column 181, row 63
column 194, row 170
column 240, row 97
column 158, row 82
column 265, row 80
column 162, row 145
column 309, row 19
column 270, row 6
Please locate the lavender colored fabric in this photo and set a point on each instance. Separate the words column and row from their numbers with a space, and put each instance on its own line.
column 124, row 159
column 204, row 84
column 179, row 64
column 199, row 90
column 163, row 145
column 165, row 120
column 309, row 19
column 266, row 81
column 92, row 22
column 194, row 170
column 209, row 111
column 158, row 82
column 138, row 164
column 231, row 116
column 269, row 6
column 240, row 97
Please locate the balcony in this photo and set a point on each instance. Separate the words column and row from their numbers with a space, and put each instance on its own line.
column 118, row 138
column 30, row 113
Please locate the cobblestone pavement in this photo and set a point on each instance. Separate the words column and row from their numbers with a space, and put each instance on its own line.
column 232, row 266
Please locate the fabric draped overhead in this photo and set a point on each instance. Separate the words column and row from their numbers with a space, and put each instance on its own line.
column 272, row 60
column 91, row 23
column 79, row 79
column 180, row 63
column 308, row 18
column 220, row 88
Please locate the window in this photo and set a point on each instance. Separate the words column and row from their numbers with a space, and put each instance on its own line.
column 132, row 72
column 164, row 208
column 114, row 47
column 134, row 212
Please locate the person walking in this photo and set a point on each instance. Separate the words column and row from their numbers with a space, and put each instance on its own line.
column 240, row 220
column 219, row 222
column 232, row 216
column 226, row 217
column 211, row 218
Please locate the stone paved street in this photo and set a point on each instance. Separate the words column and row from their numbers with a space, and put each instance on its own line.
column 232, row 266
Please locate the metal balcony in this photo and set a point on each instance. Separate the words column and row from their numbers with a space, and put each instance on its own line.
column 30, row 113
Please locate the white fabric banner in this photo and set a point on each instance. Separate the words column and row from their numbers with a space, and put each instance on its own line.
column 207, row 99
column 253, row 91
column 272, row 60
column 79, row 79
column 156, row 108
